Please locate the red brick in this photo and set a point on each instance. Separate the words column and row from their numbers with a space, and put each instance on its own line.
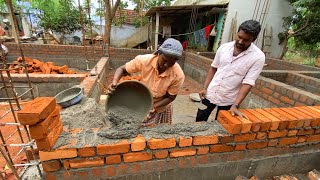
column 287, row 100
column 111, row 171
column 82, row 163
column 240, row 147
column 182, row 152
column 312, row 116
column 302, row 139
column 313, row 138
column 274, row 100
column 51, row 176
column 138, row 156
column 246, row 124
column 226, row 139
column 123, row 169
column 229, row 122
column 221, row 148
column 273, row 142
column 261, row 135
column 117, row 148
column 290, row 119
column 97, row 172
column 205, row 140
column 184, row 142
column 86, row 152
column 138, row 144
column 284, row 121
column 299, row 118
column 202, row 150
column 42, row 129
column 114, row 159
column 256, row 123
column 317, row 131
column 265, row 122
column 48, row 142
column 275, row 122
column 50, row 166
column 135, row 168
column 161, row 154
column 257, row 145
column 277, row 134
column 245, row 137
column 292, row 132
column 305, row 132
column 36, row 111
column 161, row 143
column 57, row 154
column 266, row 90
column 287, row 141
column 316, row 112
column 203, row 159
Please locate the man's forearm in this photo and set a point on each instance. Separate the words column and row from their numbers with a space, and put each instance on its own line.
column 210, row 75
column 243, row 92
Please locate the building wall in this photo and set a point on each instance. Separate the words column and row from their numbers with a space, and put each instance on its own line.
column 244, row 10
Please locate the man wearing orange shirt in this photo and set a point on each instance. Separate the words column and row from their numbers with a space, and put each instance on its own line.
column 161, row 73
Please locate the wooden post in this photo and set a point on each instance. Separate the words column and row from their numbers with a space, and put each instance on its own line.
column 14, row 22
column 157, row 31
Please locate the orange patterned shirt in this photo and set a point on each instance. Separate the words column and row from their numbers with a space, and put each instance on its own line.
column 169, row 81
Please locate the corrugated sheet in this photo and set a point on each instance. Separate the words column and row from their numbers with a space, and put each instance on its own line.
column 200, row 2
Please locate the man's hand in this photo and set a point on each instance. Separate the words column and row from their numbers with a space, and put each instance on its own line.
column 203, row 93
column 235, row 112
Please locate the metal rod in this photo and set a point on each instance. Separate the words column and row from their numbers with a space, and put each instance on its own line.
column 10, row 164
column 6, row 148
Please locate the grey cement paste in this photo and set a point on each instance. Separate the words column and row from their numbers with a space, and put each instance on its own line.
column 125, row 123
column 86, row 114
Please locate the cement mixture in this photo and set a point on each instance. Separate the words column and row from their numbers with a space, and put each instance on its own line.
column 86, row 114
column 125, row 123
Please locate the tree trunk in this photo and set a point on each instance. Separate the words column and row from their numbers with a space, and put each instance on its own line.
column 55, row 39
column 61, row 39
column 284, row 48
column 110, row 12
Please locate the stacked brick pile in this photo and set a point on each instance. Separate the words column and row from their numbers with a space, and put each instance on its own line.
column 43, row 117
column 39, row 67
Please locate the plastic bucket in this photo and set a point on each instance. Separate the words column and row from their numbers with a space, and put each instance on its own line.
column 131, row 95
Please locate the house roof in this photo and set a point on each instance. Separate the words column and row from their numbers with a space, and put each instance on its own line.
column 175, row 10
column 200, row 2
column 128, row 14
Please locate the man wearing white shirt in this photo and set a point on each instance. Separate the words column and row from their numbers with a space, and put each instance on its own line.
column 233, row 72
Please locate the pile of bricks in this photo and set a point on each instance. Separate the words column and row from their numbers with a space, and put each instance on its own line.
column 43, row 117
column 38, row 67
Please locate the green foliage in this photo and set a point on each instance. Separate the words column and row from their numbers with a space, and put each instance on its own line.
column 150, row 3
column 137, row 21
column 59, row 16
column 122, row 17
column 305, row 22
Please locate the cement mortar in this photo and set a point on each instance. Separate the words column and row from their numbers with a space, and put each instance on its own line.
column 86, row 114
column 125, row 123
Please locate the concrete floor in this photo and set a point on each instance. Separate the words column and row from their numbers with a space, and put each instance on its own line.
column 185, row 111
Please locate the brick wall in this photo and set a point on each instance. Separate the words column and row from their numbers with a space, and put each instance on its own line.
column 283, row 95
column 196, row 66
column 276, row 64
column 269, row 132
column 119, row 56
column 73, row 56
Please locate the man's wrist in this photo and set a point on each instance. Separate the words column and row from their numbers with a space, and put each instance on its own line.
column 235, row 105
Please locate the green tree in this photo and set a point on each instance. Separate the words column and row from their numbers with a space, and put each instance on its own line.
column 122, row 17
column 142, row 6
column 110, row 13
column 303, row 25
column 60, row 16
